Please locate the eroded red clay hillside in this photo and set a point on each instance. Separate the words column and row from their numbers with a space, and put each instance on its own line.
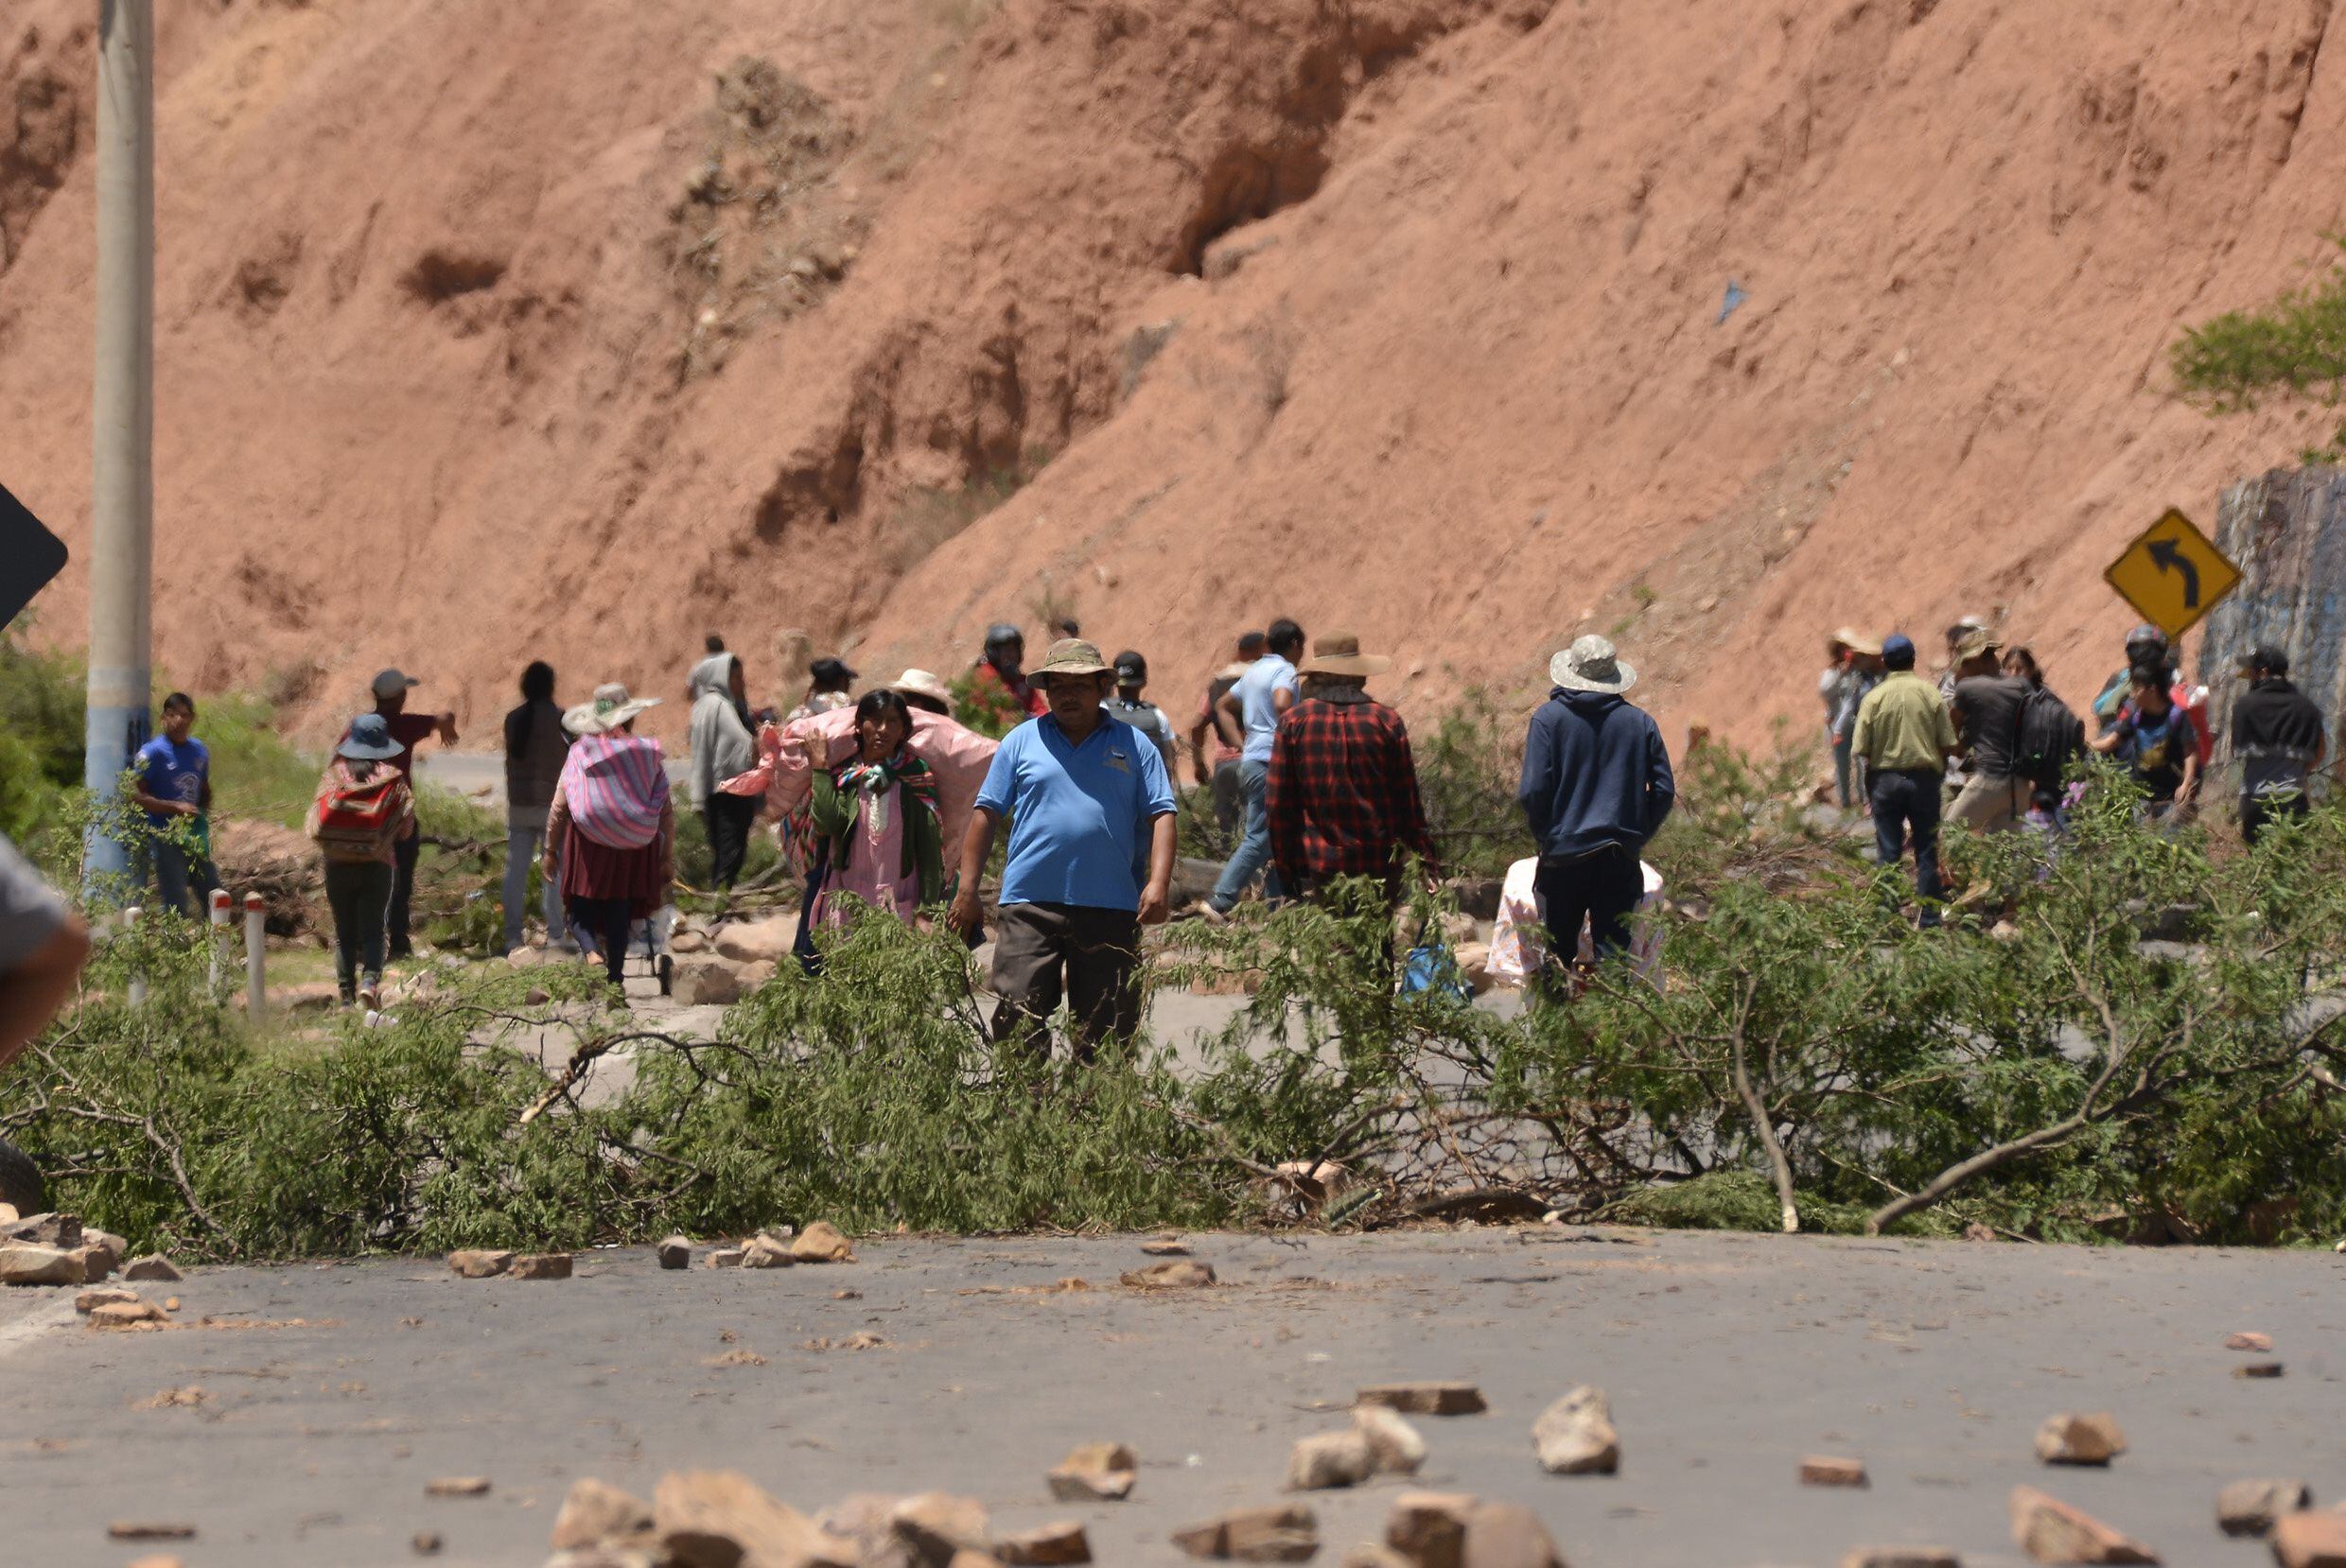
column 579, row 329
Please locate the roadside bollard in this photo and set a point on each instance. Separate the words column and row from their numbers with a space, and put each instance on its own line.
column 138, row 982
column 219, row 939
column 255, row 984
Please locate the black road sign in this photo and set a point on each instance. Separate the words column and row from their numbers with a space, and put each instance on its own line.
column 30, row 556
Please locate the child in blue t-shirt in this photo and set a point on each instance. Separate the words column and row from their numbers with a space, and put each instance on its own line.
column 174, row 780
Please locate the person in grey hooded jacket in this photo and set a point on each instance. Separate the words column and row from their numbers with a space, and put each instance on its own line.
column 1597, row 785
column 722, row 746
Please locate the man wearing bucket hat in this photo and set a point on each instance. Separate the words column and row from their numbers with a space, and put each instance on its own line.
column 1904, row 737
column 1597, row 785
column 407, row 731
column 1091, row 857
column 1342, row 795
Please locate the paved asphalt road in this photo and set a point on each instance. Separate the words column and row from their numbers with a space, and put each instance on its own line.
column 1726, row 1358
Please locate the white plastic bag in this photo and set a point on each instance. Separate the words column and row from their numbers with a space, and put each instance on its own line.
column 1519, row 941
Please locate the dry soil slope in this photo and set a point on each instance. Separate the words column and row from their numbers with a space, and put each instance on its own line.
column 553, row 331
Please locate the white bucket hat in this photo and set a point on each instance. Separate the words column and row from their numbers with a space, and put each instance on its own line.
column 1592, row 665
column 611, row 708
column 922, row 683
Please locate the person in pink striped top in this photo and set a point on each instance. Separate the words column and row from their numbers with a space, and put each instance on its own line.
column 611, row 832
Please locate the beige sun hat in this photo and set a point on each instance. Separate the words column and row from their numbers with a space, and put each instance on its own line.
column 1071, row 657
column 1338, row 654
column 1592, row 665
column 611, row 708
column 922, row 683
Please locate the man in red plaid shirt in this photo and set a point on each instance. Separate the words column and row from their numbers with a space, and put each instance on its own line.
column 1342, row 795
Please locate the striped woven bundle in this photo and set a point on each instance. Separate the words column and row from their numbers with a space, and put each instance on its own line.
column 616, row 787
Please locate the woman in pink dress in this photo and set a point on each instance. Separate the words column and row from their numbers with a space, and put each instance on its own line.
column 874, row 821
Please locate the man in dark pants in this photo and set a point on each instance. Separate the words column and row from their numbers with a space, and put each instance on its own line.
column 409, row 730
column 1904, row 736
column 1596, row 786
column 2278, row 735
column 1091, row 857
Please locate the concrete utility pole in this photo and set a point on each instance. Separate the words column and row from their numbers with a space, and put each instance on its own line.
column 122, row 492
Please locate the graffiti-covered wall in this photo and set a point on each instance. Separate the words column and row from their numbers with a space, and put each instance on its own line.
column 2286, row 530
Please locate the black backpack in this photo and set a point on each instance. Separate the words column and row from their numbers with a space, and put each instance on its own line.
column 2050, row 738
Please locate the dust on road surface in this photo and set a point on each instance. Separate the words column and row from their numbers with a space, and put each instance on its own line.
column 1727, row 1357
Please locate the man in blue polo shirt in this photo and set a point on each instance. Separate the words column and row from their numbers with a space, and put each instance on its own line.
column 1091, row 859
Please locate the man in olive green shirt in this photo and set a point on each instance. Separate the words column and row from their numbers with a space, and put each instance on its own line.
column 1904, row 737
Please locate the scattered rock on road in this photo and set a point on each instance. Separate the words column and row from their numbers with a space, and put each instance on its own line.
column 61, row 1231
column 1176, row 1274
column 1370, row 1554
column 765, row 1251
column 2074, row 1439
column 822, row 1242
column 1395, row 1444
column 1327, row 1459
column 457, row 1486
column 703, row 981
column 720, row 1519
column 1442, row 1529
column 2311, row 1539
column 2051, row 1530
column 1901, row 1556
column 1165, row 1249
column 542, row 1265
column 159, row 1561
column 32, row 1263
column 141, row 1530
column 113, row 1245
column 598, row 1515
column 475, row 1263
column 423, row 1543
column 2253, row 1507
column 1103, row 1471
column 1424, row 1399
column 2257, row 1370
column 124, row 1315
column 94, row 1263
column 1575, row 1436
column 676, row 1252
column 103, row 1296
column 935, row 1525
column 750, row 941
column 1289, row 1534
column 2248, row 1340
column 1822, row 1471
column 723, row 1256
column 1045, row 1545
column 153, row 1268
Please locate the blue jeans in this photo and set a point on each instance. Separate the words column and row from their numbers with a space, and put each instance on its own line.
column 176, row 873
column 1253, row 851
column 1903, row 800
column 525, row 836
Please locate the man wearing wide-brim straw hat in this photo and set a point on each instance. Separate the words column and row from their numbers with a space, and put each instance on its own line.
column 1855, row 662
column 1091, row 858
column 1596, row 786
column 1342, row 795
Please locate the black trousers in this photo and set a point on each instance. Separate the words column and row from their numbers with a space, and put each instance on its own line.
column 1092, row 956
column 1601, row 889
column 728, row 818
column 402, row 888
column 2256, row 810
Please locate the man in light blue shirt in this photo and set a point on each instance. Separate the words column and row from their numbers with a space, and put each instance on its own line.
column 1263, row 694
column 1091, row 860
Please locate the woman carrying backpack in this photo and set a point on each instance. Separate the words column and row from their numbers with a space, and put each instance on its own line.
column 875, row 818
column 611, row 834
column 362, row 811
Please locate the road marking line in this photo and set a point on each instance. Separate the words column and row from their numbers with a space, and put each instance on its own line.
column 16, row 1335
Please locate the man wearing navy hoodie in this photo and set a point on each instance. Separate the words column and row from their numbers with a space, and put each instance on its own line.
column 1596, row 786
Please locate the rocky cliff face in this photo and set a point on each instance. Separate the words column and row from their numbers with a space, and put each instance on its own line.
column 577, row 330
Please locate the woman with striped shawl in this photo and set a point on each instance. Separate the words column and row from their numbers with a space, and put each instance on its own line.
column 611, row 832
column 874, row 821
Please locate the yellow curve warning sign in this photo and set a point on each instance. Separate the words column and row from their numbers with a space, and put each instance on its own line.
column 2173, row 574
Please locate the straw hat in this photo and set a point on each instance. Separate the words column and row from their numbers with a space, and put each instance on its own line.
column 611, row 708
column 1071, row 657
column 1338, row 654
column 1592, row 665
column 1870, row 647
column 920, row 683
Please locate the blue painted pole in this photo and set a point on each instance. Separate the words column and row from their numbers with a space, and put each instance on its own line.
column 122, row 490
